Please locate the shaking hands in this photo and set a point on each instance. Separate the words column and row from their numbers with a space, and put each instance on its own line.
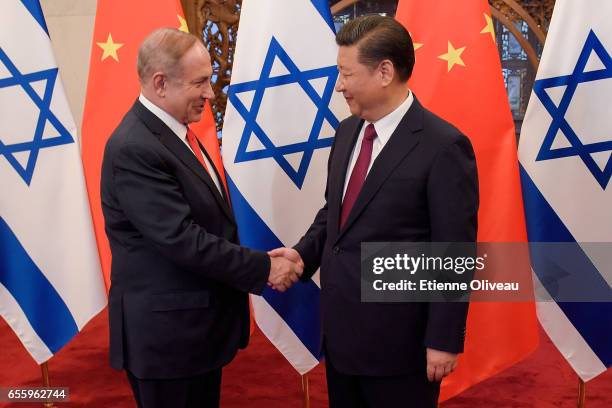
column 286, row 267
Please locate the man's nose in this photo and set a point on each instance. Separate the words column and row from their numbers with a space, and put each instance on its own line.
column 339, row 85
column 208, row 92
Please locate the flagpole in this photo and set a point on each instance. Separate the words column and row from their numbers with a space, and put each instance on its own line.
column 581, row 394
column 306, row 390
column 45, row 379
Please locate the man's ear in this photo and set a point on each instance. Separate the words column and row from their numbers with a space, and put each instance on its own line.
column 159, row 81
column 387, row 72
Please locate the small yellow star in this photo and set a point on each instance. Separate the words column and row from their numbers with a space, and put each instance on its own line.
column 489, row 27
column 453, row 56
column 183, row 27
column 415, row 45
column 110, row 48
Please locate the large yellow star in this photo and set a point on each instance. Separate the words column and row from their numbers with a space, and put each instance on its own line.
column 110, row 48
column 489, row 27
column 453, row 56
column 183, row 27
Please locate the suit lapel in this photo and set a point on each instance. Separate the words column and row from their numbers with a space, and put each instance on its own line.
column 221, row 196
column 401, row 143
column 342, row 152
column 221, row 188
column 169, row 139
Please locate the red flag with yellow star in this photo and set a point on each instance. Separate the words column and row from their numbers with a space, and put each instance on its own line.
column 113, row 87
column 458, row 76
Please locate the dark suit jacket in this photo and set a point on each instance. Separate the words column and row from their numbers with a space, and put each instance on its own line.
column 422, row 188
column 179, row 280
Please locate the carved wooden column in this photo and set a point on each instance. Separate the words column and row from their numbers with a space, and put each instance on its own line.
column 217, row 22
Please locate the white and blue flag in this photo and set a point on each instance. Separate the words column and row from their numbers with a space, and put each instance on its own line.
column 279, row 126
column 50, row 279
column 565, row 154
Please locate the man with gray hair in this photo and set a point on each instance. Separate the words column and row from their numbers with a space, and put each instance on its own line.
column 178, row 305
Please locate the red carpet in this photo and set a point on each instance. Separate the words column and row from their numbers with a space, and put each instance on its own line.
column 260, row 377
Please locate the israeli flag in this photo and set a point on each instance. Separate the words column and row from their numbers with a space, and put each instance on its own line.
column 279, row 126
column 50, row 277
column 565, row 154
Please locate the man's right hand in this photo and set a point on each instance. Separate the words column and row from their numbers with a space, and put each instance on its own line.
column 288, row 253
column 283, row 273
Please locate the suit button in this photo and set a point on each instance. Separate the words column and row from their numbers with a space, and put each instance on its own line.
column 336, row 250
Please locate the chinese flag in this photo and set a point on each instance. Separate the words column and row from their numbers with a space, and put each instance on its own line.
column 113, row 87
column 458, row 76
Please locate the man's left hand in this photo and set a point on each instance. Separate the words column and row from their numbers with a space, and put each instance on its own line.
column 440, row 364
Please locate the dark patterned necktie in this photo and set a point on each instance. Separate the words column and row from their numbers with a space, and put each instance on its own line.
column 359, row 173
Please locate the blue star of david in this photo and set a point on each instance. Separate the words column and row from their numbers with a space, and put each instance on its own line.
column 559, row 123
column 251, row 127
column 37, row 143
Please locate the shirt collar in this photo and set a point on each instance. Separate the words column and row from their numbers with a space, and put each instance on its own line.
column 386, row 125
column 177, row 127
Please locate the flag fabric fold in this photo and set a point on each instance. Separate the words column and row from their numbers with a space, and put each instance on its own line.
column 565, row 156
column 458, row 76
column 279, row 126
column 50, row 279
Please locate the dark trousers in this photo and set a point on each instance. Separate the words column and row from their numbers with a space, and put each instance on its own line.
column 356, row 391
column 202, row 391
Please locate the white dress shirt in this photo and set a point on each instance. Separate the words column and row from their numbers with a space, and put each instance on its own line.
column 180, row 130
column 384, row 127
